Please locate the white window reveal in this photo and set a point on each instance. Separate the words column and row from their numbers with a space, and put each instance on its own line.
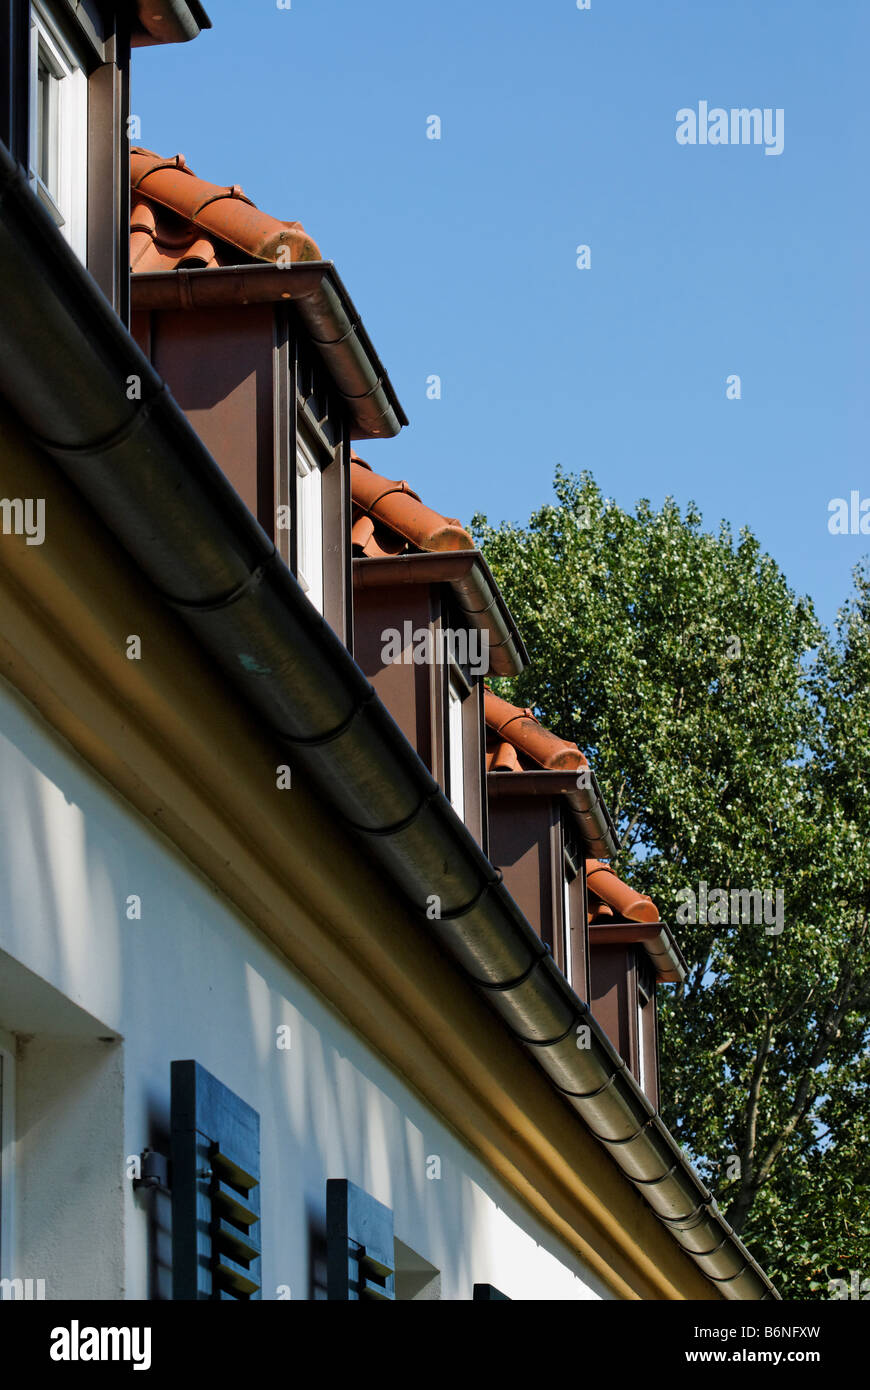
column 309, row 524
column 58, row 129
column 566, row 923
column 643, row 1060
column 455, row 751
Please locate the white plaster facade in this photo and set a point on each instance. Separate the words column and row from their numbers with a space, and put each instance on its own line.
column 99, row 1004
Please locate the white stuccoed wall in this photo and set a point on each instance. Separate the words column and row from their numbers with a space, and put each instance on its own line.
column 193, row 979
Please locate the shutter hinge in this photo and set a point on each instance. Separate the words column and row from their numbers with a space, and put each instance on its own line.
column 154, row 1171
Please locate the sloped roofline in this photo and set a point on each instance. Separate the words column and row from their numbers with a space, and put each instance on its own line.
column 145, row 472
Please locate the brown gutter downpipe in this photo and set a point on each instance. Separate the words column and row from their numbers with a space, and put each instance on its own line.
column 476, row 593
column 65, row 359
column 325, row 308
column 168, row 21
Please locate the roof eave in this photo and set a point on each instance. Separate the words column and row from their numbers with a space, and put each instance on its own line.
column 476, row 593
column 326, row 310
column 582, row 794
column 657, row 940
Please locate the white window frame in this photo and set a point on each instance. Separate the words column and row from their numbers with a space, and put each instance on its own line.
column 67, row 199
column 7, row 1154
column 455, row 745
column 309, row 523
column 644, row 1002
column 566, row 921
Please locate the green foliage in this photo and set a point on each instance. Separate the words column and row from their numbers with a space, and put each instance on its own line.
column 731, row 737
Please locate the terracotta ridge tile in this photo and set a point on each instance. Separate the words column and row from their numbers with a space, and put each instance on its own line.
column 218, row 210
column 520, row 728
column 604, row 884
column 395, row 506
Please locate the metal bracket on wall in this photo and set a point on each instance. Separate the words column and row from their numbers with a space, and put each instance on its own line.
column 154, row 1171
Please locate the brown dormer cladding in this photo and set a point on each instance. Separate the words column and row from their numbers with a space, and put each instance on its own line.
column 391, row 525
column 217, row 283
column 551, row 766
column 604, row 935
column 196, row 245
column 396, row 617
column 418, row 576
column 261, row 347
column 545, row 812
column 631, row 951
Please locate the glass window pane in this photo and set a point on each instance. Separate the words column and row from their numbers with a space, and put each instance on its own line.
column 43, row 123
column 456, row 770
column 566, row 923
column 309, row 522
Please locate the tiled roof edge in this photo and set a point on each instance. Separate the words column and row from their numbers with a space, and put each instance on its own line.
column 223, row 211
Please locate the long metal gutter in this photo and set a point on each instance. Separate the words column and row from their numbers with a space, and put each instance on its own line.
column 474, row 590
column 327, row 313
column 65, row 361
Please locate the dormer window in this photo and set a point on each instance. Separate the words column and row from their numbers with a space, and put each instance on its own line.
column 566, row 924
column 58, row 129
column 319, row 556
column 309, row 521
column 573, row 957
column 631, row 950
column 455, row 742
column 646, row 1034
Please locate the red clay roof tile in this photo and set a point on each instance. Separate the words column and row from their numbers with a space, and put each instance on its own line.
column 599, row 912
column 220, row 223
column 503, row 758
column 521, row 729
column 398, row 517
column 623, row 901
column 169, row 245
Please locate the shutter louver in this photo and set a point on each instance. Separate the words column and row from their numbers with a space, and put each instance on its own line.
column 215, row 1189
column 361, row 1262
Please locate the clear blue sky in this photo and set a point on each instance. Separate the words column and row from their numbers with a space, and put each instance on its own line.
column 558, row 128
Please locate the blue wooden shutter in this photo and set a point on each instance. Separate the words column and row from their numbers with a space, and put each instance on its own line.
column 215, row 1189
column 360, row 1258
column 490, row 1292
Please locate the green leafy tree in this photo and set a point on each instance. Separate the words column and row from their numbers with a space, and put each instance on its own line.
column 731, row 738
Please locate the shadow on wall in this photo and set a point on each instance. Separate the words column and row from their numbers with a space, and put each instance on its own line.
column 346, row 1114
column 193, row 978
column 63, row 864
